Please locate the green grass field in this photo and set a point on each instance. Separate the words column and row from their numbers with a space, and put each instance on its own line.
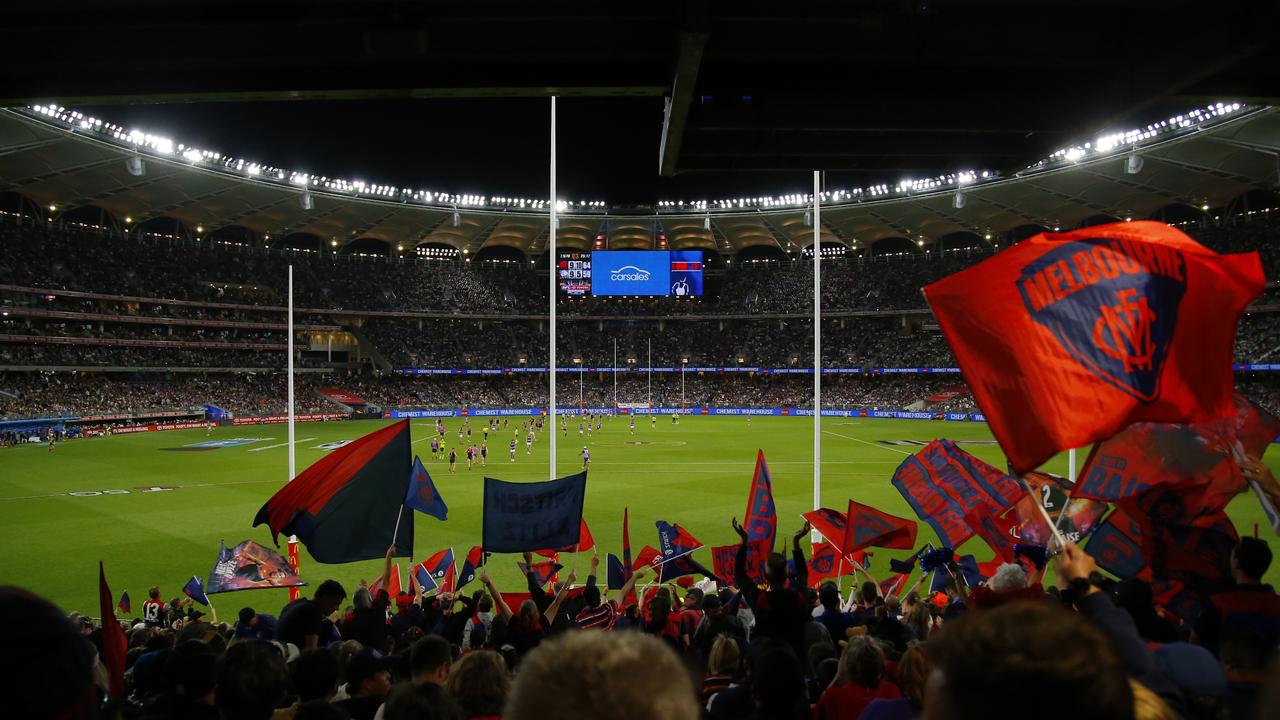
column 697, row 474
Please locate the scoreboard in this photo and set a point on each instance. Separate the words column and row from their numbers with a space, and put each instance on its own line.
column 615, row 273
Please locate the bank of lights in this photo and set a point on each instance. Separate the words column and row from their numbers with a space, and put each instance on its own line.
column 137, row 140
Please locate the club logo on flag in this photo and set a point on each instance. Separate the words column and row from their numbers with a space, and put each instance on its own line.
column 1133, row 309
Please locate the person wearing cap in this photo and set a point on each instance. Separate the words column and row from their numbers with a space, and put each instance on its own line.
column 368, row 682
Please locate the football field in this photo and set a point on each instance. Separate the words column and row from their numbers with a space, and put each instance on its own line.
column 154, row 506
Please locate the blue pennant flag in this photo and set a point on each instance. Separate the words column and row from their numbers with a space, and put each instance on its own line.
column 194, row 589
column 422, row 495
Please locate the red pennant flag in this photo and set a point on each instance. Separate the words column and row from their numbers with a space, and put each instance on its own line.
column 830, row 524
column 994, row 531
column 724, row 560
column 1096, row 329
column 648, row 557
column 380, row 584
column 826, row 563
column 869, row 527
column 761, row 518
column 114, row 643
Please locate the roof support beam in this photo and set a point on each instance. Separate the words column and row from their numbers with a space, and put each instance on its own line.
column 676, row 114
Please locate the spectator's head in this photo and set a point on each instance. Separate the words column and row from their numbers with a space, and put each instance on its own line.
column 693, row 598
column 528, row 613
column 829, row 596
column 724, row 657
column 862, row 662
column 1016, row 656
column 628, row 676
column 47, row 666
column 712, row 607
column 420, row 701
column 251, row 680
column 480, row 683
column 775, row 570
column 1147, row 705
column 1244, row 651
column 591, row 596
column 484, row 604
column 329, row 596
column 1008, row 577
column 246, row 616
column 154, row 592
column 1198, row 676
column 367, row 676
column 1250, row 560
column 913, row 674
column 362, row 600
column 892, row 606
column 315, row 675
column 429, row 659
column 868, row 593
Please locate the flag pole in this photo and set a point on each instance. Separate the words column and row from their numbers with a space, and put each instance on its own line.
column 294, row 592
column 649, row 393
column 1057, row 534
column 551, row 255
column 396, row 533
column 817, row 344
column 615, row 376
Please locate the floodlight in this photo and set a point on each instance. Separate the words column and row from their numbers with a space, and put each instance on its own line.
column 135, row 166
column 1133, row 164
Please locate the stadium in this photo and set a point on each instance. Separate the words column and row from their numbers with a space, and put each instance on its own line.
column 241, row 294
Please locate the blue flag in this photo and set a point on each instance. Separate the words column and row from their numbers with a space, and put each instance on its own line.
column 533, row 516
column 194, row 589
column 968, row 570
column 422, row 495
column 674, row 541
column 683, row 565
column 617, row 573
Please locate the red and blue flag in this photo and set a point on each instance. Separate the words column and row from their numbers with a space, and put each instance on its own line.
column 724, row 560
column 868, row 527
column 124, row 604
column 194, row 589
column 585, row 542
column 761, row 518
column 520, row 517
column 422, row 495
column 436, row 572
column 943, row 484
column 476, row 558
column 542, row 572
column 344, row 507
column 674, row 541
column 1097, row 328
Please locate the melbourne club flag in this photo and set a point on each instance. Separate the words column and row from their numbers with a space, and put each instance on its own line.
column 437, row 571
column 869, row 527
column 674, row 541
column 422, row 495
column 125, row 606
column 475, row 559
column 1066, row 338
column 761, row 518
column 344, row 507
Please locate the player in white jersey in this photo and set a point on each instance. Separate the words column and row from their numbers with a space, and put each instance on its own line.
column 512, row 447
column 586, row 457
column 528, row 443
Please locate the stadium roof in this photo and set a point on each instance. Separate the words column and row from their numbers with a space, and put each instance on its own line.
column 61, row 159
column 759, row 93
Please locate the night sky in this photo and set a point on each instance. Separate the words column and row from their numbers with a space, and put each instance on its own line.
column 608, row 148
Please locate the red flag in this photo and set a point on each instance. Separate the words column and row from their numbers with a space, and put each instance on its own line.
column 994, row 531
column 761, row 518
column 585, row 543
column 830, row 524
column 869, row 527
column 1200, row 456
column 379, row 585
column 648, row 557
column 114, row 643
column 543, row 572
column 724, row 559
column 1095, row 329
column 826, row 563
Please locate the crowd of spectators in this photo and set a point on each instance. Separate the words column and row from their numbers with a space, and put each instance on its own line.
column 728, row 648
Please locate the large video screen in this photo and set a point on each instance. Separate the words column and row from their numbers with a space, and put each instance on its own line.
column 647, row 272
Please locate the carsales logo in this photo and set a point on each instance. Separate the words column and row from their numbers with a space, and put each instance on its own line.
column 629, row 273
